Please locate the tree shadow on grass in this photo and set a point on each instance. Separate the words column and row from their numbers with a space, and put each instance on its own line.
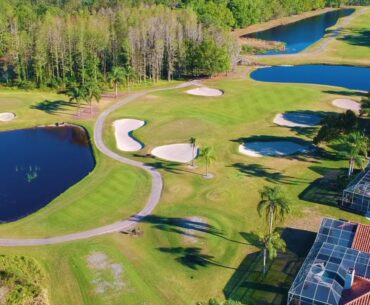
column 258, row 170
column 53, row 107
column 250, row 285
column 171, row 167
column 324, row 190
column 357, row 37
column 182, row 226
column 192, row 257
column 346, row 93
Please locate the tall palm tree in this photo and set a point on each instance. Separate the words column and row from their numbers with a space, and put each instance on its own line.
column 272, row 244
column 208, row 155
column 130, row 74
column 91, row 91
column 116, row 77
column 273, row 204
column 356, row 149
column 75, row 95
column 193, row 143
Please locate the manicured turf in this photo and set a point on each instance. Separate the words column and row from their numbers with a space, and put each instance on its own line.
column 166, row 265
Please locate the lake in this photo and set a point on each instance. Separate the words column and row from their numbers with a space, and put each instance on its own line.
column 355, row 78
column 38, row 164
column 299, row 35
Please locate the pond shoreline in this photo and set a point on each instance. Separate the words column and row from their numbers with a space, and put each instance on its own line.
column 258, row 27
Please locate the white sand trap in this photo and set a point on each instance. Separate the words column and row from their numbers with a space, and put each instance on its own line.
column 297, row 119
column 122, row 132
column 271, row 148
column 182, row 153
column 347, row 104
column 205, row 91
column 7, row 116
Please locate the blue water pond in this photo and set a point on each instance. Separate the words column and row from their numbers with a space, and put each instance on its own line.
column 39, row 164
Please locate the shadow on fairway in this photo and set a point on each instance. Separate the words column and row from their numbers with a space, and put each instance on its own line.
column 171, row 167
column 357, row 37
column 261, row 171
column 346, row 93
column 251, row 286
column 325, row 190
column 192, row 257
column 52, row 107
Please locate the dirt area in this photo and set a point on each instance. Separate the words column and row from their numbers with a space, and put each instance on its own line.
column 108, row 274
column 3, row 293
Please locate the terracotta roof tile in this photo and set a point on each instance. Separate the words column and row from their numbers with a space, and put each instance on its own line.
column 361, row 241
column 359, row 294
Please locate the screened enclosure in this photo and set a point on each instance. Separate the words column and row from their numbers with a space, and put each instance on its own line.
column 356, row 196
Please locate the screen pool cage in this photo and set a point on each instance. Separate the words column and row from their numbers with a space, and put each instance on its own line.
column 356, row 196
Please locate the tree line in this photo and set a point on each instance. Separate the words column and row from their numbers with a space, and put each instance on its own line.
column 47, row 47
column 57, row 42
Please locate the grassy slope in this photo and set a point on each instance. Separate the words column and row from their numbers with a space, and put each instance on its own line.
column 161, row 267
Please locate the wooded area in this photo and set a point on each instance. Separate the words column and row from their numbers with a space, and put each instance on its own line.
column 56, row 42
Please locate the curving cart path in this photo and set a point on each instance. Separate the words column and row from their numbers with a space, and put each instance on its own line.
column 127, row 224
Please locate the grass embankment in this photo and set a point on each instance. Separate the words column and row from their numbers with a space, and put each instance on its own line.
column 203, row 265
column 181, row 259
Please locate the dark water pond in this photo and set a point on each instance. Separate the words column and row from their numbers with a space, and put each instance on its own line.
column 299, row 35
column 39, row 164
column 355, row 78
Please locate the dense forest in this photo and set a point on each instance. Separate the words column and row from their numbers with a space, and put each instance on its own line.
column 56, row 42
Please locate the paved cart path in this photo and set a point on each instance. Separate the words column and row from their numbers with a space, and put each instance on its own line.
column 127, row 224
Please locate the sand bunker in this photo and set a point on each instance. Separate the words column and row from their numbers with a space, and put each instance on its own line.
column 297, row 119
column 271, row 148
column 182, row 153
column 347, row 104
column 205, row 91
column 7, row 116
column 122, row 132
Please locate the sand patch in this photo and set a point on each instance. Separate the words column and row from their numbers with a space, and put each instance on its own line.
column 205, row 91
column 182, row 153
column 297, row 119
column 122, row 132
column 193, row 226
column 271, row 148
column 7, row 116
column 108, row 275
column 347, row 104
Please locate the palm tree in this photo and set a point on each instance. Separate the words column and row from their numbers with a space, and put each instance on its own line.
column 272, row 244
column 75, row 94
column 91, row 91
column 130, row 74
column 208, row 155
column 193, row 143
column 273, row 204
column 356, row 148
column 117, row 76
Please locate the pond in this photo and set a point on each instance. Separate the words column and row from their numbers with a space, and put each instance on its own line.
column 39, row 164
column 299, row 35
column 355, row 78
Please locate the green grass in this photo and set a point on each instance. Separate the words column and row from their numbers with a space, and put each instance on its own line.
column 164, row 267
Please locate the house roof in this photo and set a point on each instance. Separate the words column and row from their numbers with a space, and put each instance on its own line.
column 339, row 247
column 361, row 241
column 359, row 294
